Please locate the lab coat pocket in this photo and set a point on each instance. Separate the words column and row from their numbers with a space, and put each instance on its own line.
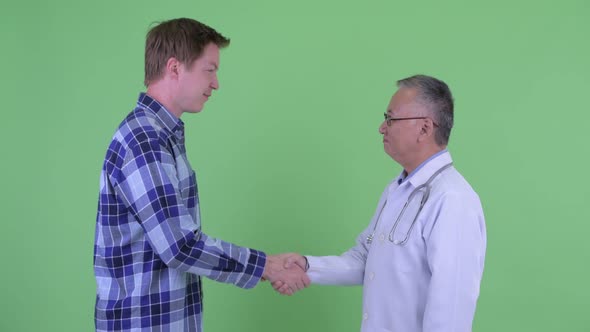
column 407, row 248
column 405, row 224
column 399, row 258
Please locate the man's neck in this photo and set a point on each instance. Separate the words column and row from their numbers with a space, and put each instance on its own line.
column 159, row 92
column 422, row 157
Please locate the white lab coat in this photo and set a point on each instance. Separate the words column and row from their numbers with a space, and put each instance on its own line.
column 432, row 282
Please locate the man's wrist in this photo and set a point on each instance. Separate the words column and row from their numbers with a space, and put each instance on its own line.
column 306, row 264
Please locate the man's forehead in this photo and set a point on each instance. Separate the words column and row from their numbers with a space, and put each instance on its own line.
column 401, row 100
column 210, row 55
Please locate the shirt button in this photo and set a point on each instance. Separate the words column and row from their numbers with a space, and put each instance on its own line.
column 372, row 276
column 382, row 237
column 365, row 316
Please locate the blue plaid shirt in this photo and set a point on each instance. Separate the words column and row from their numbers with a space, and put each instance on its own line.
column 149, row 250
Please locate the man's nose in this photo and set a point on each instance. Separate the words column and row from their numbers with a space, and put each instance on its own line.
column 382, row 128
column 215, row 83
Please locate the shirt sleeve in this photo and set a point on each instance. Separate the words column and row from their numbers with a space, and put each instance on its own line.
column 348, row 268
column 145, row 185
column 456, row 243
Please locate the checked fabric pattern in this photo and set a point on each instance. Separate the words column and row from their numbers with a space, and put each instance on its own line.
column 150, row 252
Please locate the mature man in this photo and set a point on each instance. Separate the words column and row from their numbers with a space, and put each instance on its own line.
column 421, row 258
column 149, row 248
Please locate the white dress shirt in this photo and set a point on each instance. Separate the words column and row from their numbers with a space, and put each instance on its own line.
column 430, row 283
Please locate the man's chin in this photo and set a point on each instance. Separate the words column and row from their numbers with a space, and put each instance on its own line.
column 195, row 110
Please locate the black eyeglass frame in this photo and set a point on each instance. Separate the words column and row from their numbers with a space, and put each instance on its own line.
column 389, row 119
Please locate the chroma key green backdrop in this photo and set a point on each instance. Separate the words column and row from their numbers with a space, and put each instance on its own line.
column 287, row 152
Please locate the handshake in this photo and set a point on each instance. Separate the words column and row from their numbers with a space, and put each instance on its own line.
column 286, row 273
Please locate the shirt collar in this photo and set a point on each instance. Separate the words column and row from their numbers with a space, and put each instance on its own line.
column 171, row 122
column 426, row 168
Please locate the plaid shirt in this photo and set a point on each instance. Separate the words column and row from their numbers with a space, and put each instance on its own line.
column 149, row 250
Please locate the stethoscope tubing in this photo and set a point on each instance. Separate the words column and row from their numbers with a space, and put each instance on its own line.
column 423, row 201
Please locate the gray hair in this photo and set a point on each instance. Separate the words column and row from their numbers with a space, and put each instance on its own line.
column 436, row 95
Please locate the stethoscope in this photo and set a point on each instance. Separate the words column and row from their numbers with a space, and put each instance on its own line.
column 425, row 187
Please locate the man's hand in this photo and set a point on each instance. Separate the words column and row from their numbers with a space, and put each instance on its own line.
column 294, row 259
column 285, row 273
column 291, row 262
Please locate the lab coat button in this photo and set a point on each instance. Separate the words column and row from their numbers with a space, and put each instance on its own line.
column 365, row 316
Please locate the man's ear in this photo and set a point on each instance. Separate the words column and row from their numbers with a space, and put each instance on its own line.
column 172, row 68
column 426, row 129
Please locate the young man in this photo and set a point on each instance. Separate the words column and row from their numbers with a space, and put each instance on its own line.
column 150, row 251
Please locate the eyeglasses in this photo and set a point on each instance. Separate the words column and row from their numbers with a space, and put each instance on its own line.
column 389, row 119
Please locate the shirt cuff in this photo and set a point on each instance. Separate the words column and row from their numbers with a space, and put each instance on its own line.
column 254, row 270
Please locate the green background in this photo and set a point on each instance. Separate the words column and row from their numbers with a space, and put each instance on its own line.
column 288, row 153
